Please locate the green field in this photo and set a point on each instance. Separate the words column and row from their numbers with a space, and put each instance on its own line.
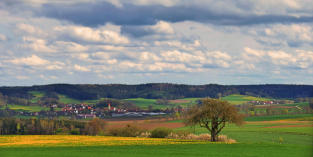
column 27, row 108
column 300, row 104
column 240, row 99
column 185, row 150
column 144, row 103
column 307, row 117
column 254, row 139
column 266, row 132
column 37, row 95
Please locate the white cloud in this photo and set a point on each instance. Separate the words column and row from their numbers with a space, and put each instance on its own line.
column 162, row 27
column 101, row 55
column 254, row 53
column 54, row 67
column 110, row 48
column 148, row 57
column 167, row 3
column 38, row 45
column 26, row 28
column 81, row 68
column 293, row 35
column 281, row 57
column 70, row 46
column 45, row 77
column 178, row 44
column 38, row 63
column 243, row 65
column 33, row 60
column 81, row 56
column 300, row 59
column 20, row 77
column 160, row 30
column 291, row 32
column 92, row 35
column 3, row 37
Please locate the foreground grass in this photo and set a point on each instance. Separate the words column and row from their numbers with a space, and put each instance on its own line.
column 266, row 132
column 177, row 150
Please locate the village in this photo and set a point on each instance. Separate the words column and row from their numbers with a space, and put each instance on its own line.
column 90, row 111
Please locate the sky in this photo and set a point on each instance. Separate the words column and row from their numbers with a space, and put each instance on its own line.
column 156, row 41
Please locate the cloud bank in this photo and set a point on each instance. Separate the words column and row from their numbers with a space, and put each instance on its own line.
column 180, row 41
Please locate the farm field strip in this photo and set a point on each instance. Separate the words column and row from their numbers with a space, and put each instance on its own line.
column 79, row 140
column 236, row 99
column 27, row 108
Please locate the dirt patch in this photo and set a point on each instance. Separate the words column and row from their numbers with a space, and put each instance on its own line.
column 287, row 126
column 145, row 124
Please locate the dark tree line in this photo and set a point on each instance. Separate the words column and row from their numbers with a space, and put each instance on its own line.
column 160, row 91
column 16, row 126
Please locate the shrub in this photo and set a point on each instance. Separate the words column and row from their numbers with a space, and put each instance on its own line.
column 182, row 133
column 204, row 137
column 281, row 140
column 224, row 138
column 201, row 137
column 145, row 134
column 160, row 132
column 179, row 135
column 128, row 131
column 75, row 131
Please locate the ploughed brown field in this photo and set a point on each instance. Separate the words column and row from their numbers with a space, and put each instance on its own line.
column 145, row 124
column 152, row 124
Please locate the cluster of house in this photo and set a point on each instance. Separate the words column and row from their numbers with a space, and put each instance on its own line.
column 270, row 102
column 78, row 108
column 84, row 111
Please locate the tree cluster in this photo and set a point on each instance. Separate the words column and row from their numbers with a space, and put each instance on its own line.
column 160, row 91
column 16, row 126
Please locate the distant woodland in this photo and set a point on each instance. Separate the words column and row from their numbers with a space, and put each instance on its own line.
column 160, row 91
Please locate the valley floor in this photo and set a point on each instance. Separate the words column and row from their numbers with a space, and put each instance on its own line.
column 276, row 138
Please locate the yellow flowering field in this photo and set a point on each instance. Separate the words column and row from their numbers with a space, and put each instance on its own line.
column 78, row 140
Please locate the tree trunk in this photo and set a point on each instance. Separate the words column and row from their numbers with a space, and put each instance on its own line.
column 213, row 137
column 213, row 134
column 214, row 130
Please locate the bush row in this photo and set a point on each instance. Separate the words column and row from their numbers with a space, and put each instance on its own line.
column 133, row 131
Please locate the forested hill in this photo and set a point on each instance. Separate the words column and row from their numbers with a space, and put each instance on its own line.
column 161, row 90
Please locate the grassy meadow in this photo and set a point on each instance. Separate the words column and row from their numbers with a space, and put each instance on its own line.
column 236, row 99
column 177, row 150
column 27, row 108
column 261, row 136
column 145, row 103
column 288, row 137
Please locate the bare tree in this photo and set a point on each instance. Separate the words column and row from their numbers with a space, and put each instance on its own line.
column 213, row 114
column 95, row 126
